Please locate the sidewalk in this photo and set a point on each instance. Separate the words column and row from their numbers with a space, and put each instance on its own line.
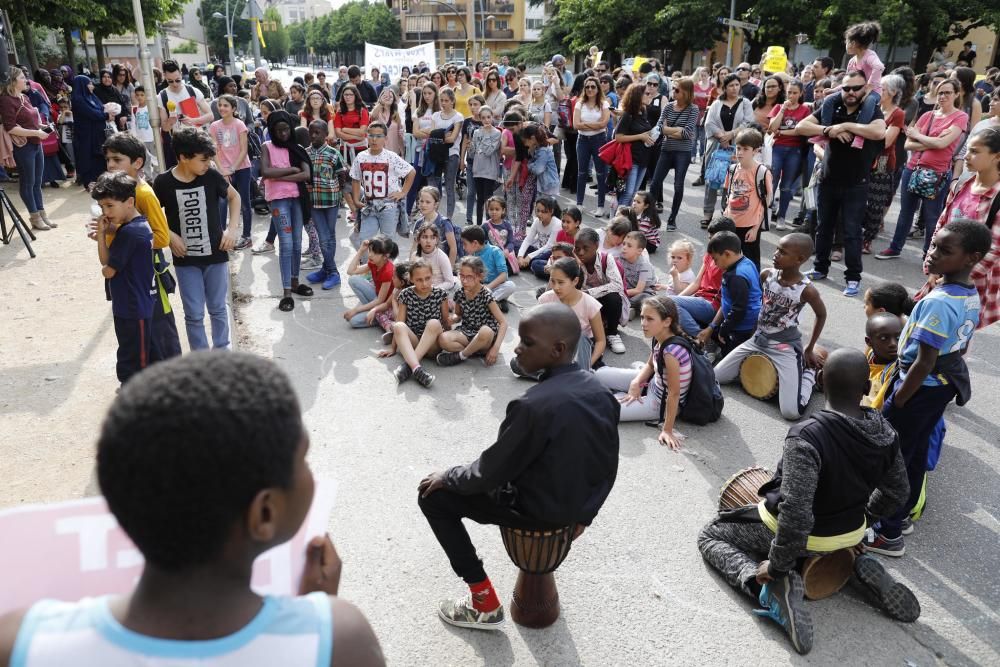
column 58, row 355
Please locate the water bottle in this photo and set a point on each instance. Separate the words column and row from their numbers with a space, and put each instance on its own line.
column 654, row 134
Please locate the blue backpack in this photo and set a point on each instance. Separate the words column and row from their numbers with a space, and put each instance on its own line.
column 718, row 166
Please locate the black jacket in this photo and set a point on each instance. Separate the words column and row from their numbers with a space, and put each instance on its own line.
column 556, row 454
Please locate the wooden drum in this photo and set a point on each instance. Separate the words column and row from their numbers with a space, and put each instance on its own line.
column 741, row 489
column 825, row 575
column 759, row 377
column 536, row 553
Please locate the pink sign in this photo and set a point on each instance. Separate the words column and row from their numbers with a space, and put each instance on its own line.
column 76, row 549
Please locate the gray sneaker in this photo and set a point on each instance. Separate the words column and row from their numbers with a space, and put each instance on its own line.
column 462, row 614
column 402, row 373
column 423, row 377
column 783, row 602
column 893, row 597
column 448, row 359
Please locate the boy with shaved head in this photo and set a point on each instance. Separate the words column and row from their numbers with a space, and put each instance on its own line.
column 839, row 467
column 553, row 463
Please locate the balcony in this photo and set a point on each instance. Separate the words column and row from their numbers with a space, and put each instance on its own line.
column 494, row 7
column 427, row 35
column 499, row 34
column 452, row 35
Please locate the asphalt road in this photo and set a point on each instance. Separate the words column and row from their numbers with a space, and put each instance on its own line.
column 634, row 589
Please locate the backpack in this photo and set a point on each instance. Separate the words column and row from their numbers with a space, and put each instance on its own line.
column 618, row 263
column 704, row 401
column 564, row 114
column 254, row 144
column 188, row 88
column 760, row 176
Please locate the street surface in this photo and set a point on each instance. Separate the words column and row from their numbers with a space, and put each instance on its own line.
column 634, row 589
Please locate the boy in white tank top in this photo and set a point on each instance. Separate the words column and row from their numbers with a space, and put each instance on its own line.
column 202, row 491
column 785, row 293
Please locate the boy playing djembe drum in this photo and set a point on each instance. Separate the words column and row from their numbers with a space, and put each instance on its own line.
column 785, row 293
column 838, row 467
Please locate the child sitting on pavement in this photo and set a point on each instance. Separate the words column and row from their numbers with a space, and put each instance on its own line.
column 373, row 292
column 699, row 301
column 496, row 278
column 422, row 309
column 247, row 488
column 736, row 318
column 559, row 250
column 482, row 325
column 566, row 279
column 603, row 280
column 541, row 234
column 785, row 293
column 640, row 277
column 571, row 219
column 681, row 273
column 428, row 249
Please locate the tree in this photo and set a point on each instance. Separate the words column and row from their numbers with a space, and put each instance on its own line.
column 297, row 39
column 276, row 40
column 215, row 29
column 622, row 26
column 379, row 26
column 118, row 19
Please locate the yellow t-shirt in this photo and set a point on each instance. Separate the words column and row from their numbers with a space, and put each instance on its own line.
column 462, row 101
column 879, row 376
column 149, row 206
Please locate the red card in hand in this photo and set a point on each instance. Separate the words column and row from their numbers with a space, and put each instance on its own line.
column 189, row 108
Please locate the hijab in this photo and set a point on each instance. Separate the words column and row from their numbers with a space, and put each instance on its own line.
column 82, row 97
column 106, row 93
column 297, row 156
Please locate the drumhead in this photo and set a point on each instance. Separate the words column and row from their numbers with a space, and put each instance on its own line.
column 758, row 376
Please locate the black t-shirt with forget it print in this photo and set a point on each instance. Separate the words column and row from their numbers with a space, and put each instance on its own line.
column 192, row 210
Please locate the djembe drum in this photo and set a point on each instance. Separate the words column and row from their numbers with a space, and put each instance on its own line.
column 822, row 575
column 759, row 377
column 537, row 554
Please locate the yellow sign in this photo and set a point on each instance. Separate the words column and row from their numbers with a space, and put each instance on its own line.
column 260, row 34
column 775, row 59
column 637, row 62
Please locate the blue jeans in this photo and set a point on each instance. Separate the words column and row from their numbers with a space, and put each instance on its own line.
column 786, row 161
column 286, row 215
column 699, row 142
column 930, row 210
column 364, row 289
column 30, row 162
column 241, row 181
column 379, row 221
column 679, row 161
column 204, row 287
column 694, row 313
column 632, row 181
column 538, row 265
column 833, row 203
column 325, row 220
column 586, row 150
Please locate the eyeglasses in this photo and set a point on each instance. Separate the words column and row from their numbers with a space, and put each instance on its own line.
column 945, row 92
column 172, row 80
column 852, row 89
column 591, row 87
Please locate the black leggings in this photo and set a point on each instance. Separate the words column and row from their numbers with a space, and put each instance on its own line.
column 484, row 190
column 751, row 249
column 611, row 312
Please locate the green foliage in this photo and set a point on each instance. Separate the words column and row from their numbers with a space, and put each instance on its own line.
column 276, row 41
column 189, row 46
column 215, row 29
column 345, row 30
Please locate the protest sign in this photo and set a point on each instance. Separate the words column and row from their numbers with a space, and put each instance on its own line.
column 393, row 60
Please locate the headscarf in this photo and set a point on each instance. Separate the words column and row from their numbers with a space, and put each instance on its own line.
column 107, row 93
column 82, row 97
column 297, row 156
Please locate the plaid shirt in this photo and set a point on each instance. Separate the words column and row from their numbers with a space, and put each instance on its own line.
column 328, row 174
column 985, row 275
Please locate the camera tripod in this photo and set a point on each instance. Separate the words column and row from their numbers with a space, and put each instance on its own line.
column 17, row 223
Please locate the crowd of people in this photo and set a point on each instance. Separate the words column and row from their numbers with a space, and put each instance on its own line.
column 400, row 156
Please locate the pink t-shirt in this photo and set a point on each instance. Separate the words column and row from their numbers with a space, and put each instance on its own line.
column 227, row 145
column 508, row 161
column 932, row 125
column 274, row 189
column 585, row 309
column 871, row 66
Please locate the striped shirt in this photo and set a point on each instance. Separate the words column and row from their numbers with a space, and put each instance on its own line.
column 686, row 119
column 683, row 360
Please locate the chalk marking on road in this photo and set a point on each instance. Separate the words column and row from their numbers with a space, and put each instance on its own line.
column 956, row 588
column 661, row 589
column 985, row 519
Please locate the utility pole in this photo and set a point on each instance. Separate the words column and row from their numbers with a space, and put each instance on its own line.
column 148, row 82
column 254, row 28
column 729, row 46
column 470, row 25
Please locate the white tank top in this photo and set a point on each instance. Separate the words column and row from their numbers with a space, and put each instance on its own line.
column 780, row 306
column 286, row 631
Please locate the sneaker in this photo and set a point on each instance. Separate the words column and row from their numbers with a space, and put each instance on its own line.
column 853, row 287
column 698, row 181
column 816, row 275
column 894, row 598
column 907, row 528
column 540, row 291
column 245, row 243
column 916, row 233
column 402, row 373
column 671, row 225
column 504, row 307
column 877, row 543
column 798, row 221
column 462, row 614
column 632, row 312
column 597, row 213
column 516, row 369
column 783, row 602
column 659, row 207
column 616, row 344
column 448, row 359
column 836, row 256
column 888, row 253
column 331, row 281
column 780, row 224
column 263, row 248
column 316, row 277
column 423, row 377
column 310, row 263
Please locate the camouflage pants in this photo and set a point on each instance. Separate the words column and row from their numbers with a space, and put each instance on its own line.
column 735, row 550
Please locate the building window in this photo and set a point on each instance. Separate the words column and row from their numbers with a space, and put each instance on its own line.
column 419, row 24
column 501, row 24
column 533, row 24
column 451, row 26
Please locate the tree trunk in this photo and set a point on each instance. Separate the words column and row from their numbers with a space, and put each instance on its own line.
column 67, row 32
column 99, row 47
column 26, row 35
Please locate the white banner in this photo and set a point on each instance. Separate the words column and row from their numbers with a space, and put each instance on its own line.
column 393, row 60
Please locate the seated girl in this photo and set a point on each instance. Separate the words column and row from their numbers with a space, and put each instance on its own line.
column 428, row 200
column 566, row 279
column 422, row 309
column 374, row 292
column 657, row 390
column 542, row 233
column 602, row 279
column 481, row 325
column 429, row 250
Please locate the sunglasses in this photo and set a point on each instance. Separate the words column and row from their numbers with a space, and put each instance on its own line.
column 742, row 69
column 651, row 84
column 172, row 80
column 590, row 87
column 852, row 89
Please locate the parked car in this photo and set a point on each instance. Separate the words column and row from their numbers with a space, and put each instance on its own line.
column 290, row 61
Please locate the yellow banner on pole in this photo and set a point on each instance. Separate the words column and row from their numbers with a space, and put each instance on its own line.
column 260, row 33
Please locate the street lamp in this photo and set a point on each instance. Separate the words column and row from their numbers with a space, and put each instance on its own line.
column 485, row 19
column 228, row 18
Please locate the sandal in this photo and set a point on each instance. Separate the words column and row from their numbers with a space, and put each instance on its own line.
column 302, row 290
column 286, row 304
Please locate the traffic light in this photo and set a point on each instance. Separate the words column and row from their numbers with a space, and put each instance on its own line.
column 468, row 49
column 405, row 5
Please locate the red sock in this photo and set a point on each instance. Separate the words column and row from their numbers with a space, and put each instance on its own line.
column 484, row 597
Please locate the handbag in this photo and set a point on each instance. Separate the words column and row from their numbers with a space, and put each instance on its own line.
column 512, row 262
column 924, row 181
